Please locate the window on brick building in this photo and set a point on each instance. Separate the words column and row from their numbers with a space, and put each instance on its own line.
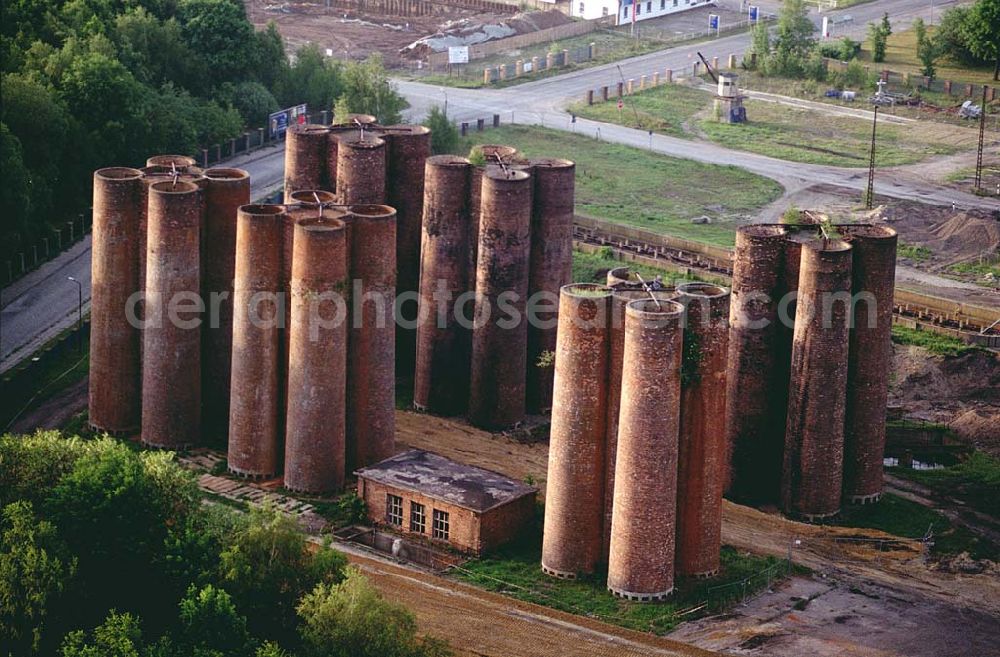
column 440, row 526
column 394, row 510
column 418, row 518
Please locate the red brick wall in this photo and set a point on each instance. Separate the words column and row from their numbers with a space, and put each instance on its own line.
column 466, row 530
column 504, row 523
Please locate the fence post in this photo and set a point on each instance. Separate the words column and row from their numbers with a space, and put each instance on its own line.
column 260, row 131
column 715, row 63
column 232, row 147
column 592, row 50
column 732, row 61
column 496, row 120
column 590, row 96
column 630, row 85
column 604, row 93
column 519, row 68
column 565, row 57
column 71, row 240
column 503, row 71
column 668, row 76
column 642, row 82
column 947, row 87
column 656, row 78
column 620, row 87
column 45, row 244
column 204, row 158
column 534, row 64
column 465, row 128
column 487, row 78
column 10, row 271
column 34, row 255
column 550, row 60
column 246, row 142
column 480, row 125
column 20, row 255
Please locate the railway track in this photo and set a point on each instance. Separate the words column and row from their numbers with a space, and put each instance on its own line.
column 971, row 324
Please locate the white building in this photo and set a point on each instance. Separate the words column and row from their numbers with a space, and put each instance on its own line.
column 590, row 9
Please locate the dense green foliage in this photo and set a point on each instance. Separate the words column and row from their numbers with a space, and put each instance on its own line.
column 444, row 135
column 937, row 344
column 94, row 83
column 108, row 551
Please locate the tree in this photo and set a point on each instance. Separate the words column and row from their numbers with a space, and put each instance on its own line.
column 218, row 30
column 982, row 32
column 760, row 45
column 34, row 569
column 368, row 91
column 879, row 36
column 928, row 49
column 848, row 48
column 209, row 623
column 951, row 35
column 120, row 635
column 795, row 29
column 351, row 619
column 15, row 195
column 444, row 135
column 252, row 100
column 267, row 568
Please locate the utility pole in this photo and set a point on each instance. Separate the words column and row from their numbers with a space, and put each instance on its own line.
column 79, row 314
column 979, row 154
column 870, row 196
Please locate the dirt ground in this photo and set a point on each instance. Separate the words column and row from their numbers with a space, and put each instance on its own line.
column 951, row 236
column 962, row 392
column 352, row 34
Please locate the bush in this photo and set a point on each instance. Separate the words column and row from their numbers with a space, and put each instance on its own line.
column 444, row 135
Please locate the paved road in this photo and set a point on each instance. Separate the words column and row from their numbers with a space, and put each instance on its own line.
column 44, row 303
column 39, row 306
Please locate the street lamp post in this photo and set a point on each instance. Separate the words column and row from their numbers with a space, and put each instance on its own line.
column 79, row 314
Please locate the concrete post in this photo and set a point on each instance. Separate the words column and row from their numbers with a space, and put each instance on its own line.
column 590, row 96
column 631, row 84
column 519, row 68
column 656, row 78
column 732, row 62
column 534, row 65
column 604, row 93
column 715, row 63
column 566, row 61
column 642, row 82
column 668, row 76
column 496, row 120
column 620, row 89
column 465, row 128
column 487, row 77
column 592, row 50
column 550, row 60
column 480, row 125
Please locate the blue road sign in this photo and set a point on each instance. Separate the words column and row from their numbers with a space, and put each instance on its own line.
column 713, row 21
column 754, row 10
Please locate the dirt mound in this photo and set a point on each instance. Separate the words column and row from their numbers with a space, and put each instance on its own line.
column 470, row 31
column 967, row 236
column 962, row 392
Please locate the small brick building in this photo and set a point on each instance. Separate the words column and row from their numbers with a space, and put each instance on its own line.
column 472, row 509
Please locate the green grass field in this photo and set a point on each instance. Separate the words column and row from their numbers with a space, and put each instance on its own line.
column 901, row 517
column 514, row 571
column 975, row 481
column 788, row 133
column 639, row 188
column 901, row 56
column 937, row 344
column 663, row 109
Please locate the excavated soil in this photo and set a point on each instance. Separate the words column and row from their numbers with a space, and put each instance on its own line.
column 962, row 392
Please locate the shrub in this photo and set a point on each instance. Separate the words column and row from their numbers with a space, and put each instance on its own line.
column 444, row 135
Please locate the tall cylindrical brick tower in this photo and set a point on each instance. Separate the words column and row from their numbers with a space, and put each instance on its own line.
column 643, row 525
column 225, row 191
column 407, row 148
column 153, row 174
column 500, row 333
column 171, row 372
column 305, row 158
column 114, row 340
column 371, row 380
column 814, row 438
column 361, row 164
column 628, row 289
column 254, row 433
column 873, row 270
column 315, row 435
column 701, row 441
column 441, row 377
column 574, row 501
column 752, row 438
column 180, row 161
column 492, row 155
column 551, row 266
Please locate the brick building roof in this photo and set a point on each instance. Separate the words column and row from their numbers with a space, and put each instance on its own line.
column 435, row 476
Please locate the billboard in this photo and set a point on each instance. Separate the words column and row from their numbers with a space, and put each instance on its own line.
column 458, row 54
column 279, row 121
